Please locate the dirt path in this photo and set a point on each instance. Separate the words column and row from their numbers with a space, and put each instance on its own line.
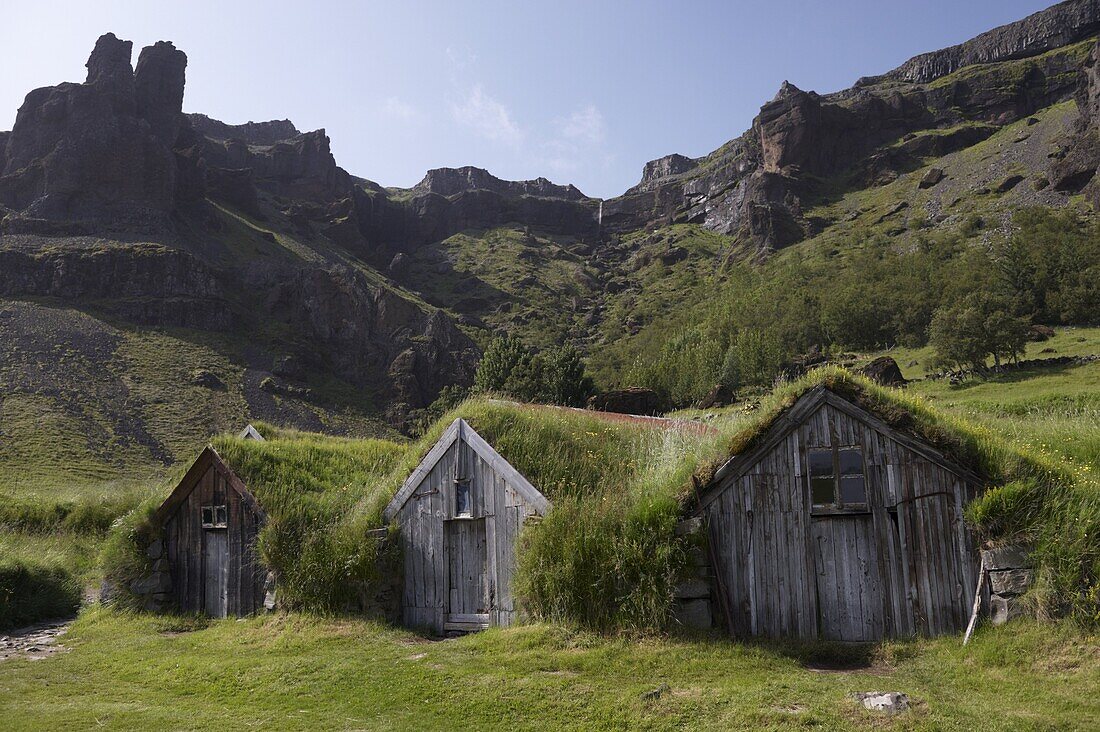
column 34, row 642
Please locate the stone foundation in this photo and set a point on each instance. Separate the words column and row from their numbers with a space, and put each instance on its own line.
column 694, row 608
column 1010, row 574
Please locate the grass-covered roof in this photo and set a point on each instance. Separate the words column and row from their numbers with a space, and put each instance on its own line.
column 607, row 555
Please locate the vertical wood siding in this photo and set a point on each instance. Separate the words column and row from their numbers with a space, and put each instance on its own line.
column 460, row 565
column 208, row 562
column 899, row 569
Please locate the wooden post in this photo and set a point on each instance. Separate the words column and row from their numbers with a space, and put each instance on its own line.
column 977, row 603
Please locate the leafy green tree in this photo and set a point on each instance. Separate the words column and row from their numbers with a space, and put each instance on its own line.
column 555, row 376
column 505, row 359
column 562, row 377
column 982, row 325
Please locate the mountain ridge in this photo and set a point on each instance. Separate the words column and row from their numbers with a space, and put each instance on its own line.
column 115, row 201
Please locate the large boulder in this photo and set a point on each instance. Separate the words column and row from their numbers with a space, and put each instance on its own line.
column 884, row 370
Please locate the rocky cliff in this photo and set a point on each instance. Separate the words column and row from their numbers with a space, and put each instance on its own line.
column 114, row 200
column 1057, row 26
column 756, row 187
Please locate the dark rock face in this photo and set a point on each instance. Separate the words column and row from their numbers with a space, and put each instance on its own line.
column 1078, row 164
column 158, row 89
column 1058, row 25
column 427, row 217
column 148, row 284
column 99, row 152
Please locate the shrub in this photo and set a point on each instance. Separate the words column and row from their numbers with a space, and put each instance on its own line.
column 31, row 592
column 553, row 376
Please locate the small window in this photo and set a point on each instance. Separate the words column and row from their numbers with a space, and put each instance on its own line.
column 836, row 477
column 462, row 497
column 215, row 517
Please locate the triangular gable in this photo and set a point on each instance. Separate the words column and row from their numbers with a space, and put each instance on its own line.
column 251, row 433
column 460, row 430
column 802, row 409
column 207, row 458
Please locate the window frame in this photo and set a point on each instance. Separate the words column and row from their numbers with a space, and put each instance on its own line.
column 463, row 485
column 838, row 506
column 214, row 516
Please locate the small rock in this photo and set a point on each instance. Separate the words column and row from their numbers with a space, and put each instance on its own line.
column 1032, row 121
column 155, row 549
column 1006, row 557
column 932, row 177
column 1038, row 333
column 1003, row 609
column 890, row 702
column 1009, row 183
column 207, row 380
column 1010, row 581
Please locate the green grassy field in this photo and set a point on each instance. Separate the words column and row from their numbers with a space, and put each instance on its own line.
column 301, row 672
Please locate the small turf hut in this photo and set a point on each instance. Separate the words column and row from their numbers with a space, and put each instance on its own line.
column 210, row 522
column 459, row 514
column 833, row 524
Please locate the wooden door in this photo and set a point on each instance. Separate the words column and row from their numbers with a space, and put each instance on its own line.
column 849, row 577
column 215, row 549
column 465, row 554
column 930, row 534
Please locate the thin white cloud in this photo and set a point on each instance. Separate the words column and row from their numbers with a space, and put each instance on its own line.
column 487, row 116
column 400, row 110
column 585, row 125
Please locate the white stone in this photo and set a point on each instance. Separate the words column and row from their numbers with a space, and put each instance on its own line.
column 889, row 702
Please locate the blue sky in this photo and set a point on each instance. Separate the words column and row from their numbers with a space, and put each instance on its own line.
column 581, row 92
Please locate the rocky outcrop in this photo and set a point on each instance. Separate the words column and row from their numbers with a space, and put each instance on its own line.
column 453, row 181
column 158, row 89
column 1057, row 26
column 662, row 168
column 423, row 216
column 99, row 153
column 146, row 283
column 251, row 133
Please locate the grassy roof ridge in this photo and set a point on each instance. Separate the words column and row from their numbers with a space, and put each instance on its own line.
column 988, row 454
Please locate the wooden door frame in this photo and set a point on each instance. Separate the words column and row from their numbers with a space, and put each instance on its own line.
column 463, row 621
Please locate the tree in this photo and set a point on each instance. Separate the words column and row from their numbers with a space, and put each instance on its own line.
column 555, row 376
column 981, row 325
column 562, row 377
column 505, row 358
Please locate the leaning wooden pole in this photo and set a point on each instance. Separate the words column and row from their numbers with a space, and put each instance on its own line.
column 977, row 603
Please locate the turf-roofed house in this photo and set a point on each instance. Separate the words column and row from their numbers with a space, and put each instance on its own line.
column 836, row 522
column 210, row 523
column 459, row 514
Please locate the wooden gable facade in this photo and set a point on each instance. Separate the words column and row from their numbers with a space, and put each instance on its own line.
column 459, row 514
column 210, row 524
column 837, row 526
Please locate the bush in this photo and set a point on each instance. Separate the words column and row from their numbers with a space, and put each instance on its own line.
column 553, row 376
column 31, row 592
column 598, row 564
